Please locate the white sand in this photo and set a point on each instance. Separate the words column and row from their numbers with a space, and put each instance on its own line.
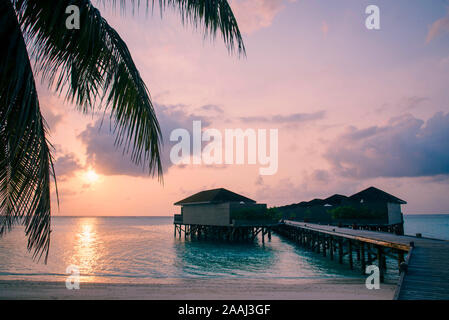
column 338, row 289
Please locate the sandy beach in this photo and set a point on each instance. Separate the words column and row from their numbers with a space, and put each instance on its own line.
column 335, row 289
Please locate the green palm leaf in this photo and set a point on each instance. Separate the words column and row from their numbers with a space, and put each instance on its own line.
column 25, row 160
column 93, row 66
column 212, row 15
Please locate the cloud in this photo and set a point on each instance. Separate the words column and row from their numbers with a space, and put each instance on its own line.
column 52, row 118
column 211, row 108
column 290, row 118
column 324, row 28
column 107, row 159
column 66, row 165
column 321, row 176
column 290, row 190
column 253, row 15
column 413, row 102
column 439, row 27
column 259, row 181
column 283, row 192
column 405, row 147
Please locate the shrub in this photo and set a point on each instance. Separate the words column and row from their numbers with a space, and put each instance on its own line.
column 257, row 214
column 349, row 212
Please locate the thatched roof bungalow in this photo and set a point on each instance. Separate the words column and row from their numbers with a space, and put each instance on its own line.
column 371, row 205
column 216, row 207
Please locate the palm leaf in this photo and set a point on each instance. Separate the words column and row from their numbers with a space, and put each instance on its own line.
column 212, row 15
column 94, row 64
column 25, row 159
column 94, row 67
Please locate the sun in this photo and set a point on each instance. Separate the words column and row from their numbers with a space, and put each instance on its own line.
column 91, row 176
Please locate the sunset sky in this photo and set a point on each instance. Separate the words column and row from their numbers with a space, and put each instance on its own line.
column 353, row 107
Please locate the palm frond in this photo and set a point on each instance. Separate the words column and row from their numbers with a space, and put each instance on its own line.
column 93, row 66
column 213, row 15
column 25, row 159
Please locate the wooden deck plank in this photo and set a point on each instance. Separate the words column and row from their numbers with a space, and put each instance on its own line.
column 428, row 267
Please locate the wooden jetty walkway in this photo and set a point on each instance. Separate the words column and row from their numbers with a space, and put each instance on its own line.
column 424, row 274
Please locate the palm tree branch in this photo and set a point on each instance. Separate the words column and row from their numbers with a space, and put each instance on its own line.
column 94, row 67
column 213, row 15
column 25, row 158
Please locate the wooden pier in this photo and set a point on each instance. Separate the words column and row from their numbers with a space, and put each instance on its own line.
column 423, row 275
column 236, row 232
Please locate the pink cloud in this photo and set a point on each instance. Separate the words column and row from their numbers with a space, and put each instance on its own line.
column 438, row 28
column 324, row 28
column 253, row 15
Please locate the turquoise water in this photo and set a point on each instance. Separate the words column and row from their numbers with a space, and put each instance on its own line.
column 143, row 249
column 429, row 225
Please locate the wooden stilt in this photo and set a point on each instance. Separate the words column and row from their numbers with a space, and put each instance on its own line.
column 311, row 240
column 370, row 260
column 362, row 256
column 380, row 263
column 350, row 254
column 400, row 259
column 324, row 246
column 331, row 248
column 340, row 251
column 358, row 253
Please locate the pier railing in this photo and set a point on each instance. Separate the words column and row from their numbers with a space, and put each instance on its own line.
column 423, row 275
column 403, row 269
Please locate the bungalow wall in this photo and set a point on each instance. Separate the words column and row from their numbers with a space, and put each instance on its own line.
column 214, row 214
column 394, row 213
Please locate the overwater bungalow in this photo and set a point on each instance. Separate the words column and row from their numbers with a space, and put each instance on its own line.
column 371, row 208
column 221, row 213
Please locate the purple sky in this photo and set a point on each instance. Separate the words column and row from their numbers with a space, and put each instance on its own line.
column 353, row 107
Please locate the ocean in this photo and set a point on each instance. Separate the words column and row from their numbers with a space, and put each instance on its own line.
column 143, row 249
column 429, row 225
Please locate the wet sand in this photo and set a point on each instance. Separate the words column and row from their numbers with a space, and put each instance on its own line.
column 203, row 289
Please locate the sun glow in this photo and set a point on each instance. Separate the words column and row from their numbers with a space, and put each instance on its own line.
column 91, row 176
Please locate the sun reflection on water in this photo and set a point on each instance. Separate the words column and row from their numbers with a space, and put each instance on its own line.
column 86, row 255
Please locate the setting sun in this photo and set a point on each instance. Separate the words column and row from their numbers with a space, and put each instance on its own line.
column 91, row 176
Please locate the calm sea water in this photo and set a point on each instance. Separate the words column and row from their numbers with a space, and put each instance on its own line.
column 430, row 226
column 143, row 249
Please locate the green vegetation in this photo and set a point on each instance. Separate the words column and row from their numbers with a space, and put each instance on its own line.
column 307, row 215
column 257, row 214
column 349, row 212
